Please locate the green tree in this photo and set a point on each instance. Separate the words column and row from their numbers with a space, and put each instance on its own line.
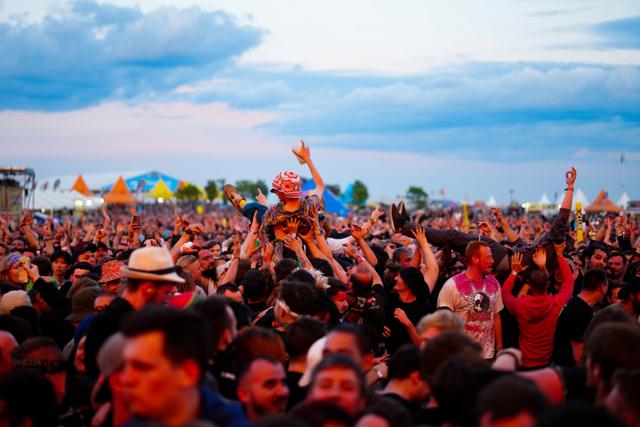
column 360, row 193
column 335, row 189
column 211, row 189
column 417, row 197
column 188, row 192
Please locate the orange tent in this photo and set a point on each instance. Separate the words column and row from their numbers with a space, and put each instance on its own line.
column 81, row 187
column 120, row 194
column 603, row 203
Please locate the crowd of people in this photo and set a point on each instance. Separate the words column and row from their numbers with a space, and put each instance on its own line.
column 287, row 315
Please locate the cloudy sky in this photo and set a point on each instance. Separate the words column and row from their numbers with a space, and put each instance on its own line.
column 473, row 97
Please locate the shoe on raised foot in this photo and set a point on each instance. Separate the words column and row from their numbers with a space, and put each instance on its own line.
column 398, row 217
column 236, row 199
column 402, row 211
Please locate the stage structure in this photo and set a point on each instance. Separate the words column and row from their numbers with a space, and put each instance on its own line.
column 17, row 186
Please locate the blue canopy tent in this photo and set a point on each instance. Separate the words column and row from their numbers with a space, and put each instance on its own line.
column 144, row 182
column 331, row 203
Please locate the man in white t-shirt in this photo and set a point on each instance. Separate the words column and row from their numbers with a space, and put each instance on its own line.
column 475, row 296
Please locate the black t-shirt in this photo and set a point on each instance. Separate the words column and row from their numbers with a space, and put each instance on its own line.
column 415, row 310
column 572, row 323
column 296, row 393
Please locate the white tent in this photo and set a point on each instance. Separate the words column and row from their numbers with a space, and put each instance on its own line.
column 492, row 202
column 623, row 200
column 544, row 200
column 95, row 181
column 579, row 196
column 56, row 200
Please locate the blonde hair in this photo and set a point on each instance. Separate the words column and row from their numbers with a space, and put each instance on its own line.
column 443, row 320
column 4, row 266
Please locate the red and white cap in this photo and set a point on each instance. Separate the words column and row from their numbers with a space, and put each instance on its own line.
column 288, row 184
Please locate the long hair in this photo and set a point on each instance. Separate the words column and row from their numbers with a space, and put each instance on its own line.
column 415, row 281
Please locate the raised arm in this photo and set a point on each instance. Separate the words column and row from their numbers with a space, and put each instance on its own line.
column 431, row 269
column 312, row 246
column 566, row 288
column 570, row 179
column 304, row 154
column 25, row 227
column 511, row 235
column 232, row 271
column 351, row 252
column 358, row 234
column 189, row 231
column 295, row 244
column 507, row 288
column 248, row 247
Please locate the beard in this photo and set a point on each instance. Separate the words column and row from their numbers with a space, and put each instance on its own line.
column 210, row 273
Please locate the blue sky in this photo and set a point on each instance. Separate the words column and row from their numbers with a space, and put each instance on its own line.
column 474, row 97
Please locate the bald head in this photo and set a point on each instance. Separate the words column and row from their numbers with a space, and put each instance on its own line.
column 361, row 278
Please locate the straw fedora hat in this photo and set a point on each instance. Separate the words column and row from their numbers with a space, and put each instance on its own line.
column 151, row 263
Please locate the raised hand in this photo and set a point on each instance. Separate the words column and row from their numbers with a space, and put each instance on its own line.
column 516, row 263
column 497, row 213
column 377, row 213
column 236, row 244
column 607, row 222
column 350, row 251
column 570, row 177
column 33, row 272
column 316, row 221
column 186, row 249
column 195, row 228
column 255, row 226
column 107, row 218
column 134, row 224
column 308, row 236
column 418, row 234
column 356, row 231
column 484, row 227
column 59, row 233
column 267, row 253
column 293, row 243
column 292, row 225
column 303, row 152
column 261, row 198
column 48, row 230
column 540, row 257
column 101, row 233
column 27, row 218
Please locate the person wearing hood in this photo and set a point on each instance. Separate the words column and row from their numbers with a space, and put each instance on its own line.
column 537, row 312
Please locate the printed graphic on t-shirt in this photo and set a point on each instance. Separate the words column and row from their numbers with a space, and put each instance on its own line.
column 478, row 303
